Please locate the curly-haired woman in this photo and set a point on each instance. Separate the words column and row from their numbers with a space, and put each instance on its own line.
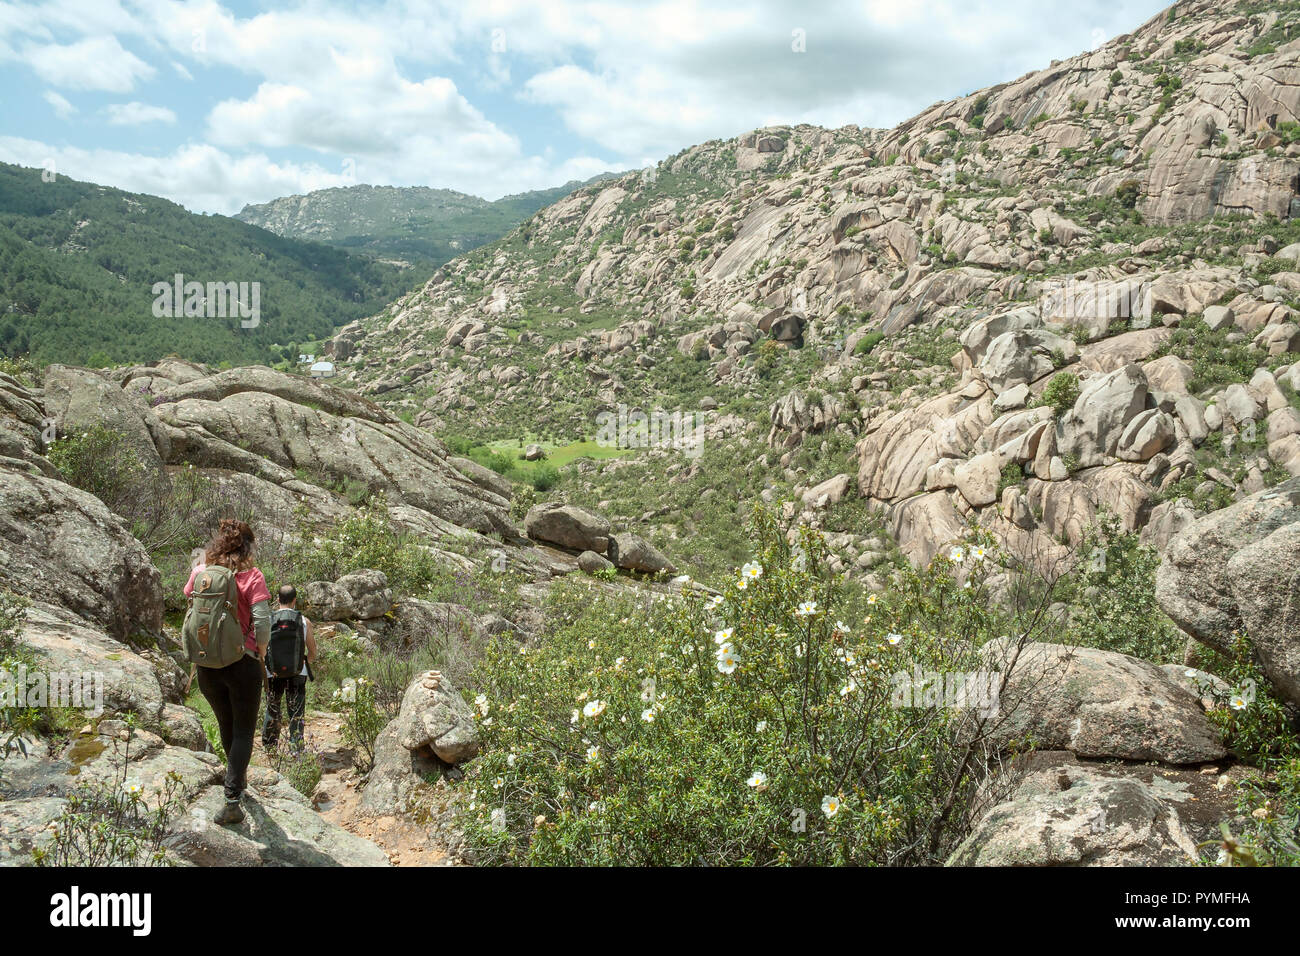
column 235, row 691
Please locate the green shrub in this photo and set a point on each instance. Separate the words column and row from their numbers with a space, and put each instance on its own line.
column 363, row 720
column 300, row 766
column 544, row 477
column 1114, row 606
column 868, row 342
column 1061, row 392
column 364, row 539
column 630, row 736
column 1255, row 724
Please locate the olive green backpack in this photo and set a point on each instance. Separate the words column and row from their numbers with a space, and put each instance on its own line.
column 211, row 632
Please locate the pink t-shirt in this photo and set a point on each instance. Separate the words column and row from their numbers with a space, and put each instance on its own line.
column 252, row 588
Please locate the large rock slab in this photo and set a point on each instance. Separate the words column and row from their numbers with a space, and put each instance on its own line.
column 405, row 462
column 67, row 646
column 1076, row 816
column 1238, row 569
column 62, row 546
column 78, row 399
column 568, row 526
column 280, row 828
column 1098, row 703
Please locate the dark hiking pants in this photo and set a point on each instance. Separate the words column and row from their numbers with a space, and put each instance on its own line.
column 294, row 690
column 234, row 694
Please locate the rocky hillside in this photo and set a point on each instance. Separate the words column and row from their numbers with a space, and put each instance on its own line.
column 415, row 225
column 1029, row 332
column 1121, row 224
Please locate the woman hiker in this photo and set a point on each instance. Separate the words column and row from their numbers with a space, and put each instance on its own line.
column 235, row 691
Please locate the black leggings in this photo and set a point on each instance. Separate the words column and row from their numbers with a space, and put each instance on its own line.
column 294, row 690
column 234, row 693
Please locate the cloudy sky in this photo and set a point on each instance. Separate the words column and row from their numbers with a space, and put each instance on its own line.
column 218, row 104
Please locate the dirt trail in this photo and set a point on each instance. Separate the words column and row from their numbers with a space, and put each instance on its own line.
column 337, row 798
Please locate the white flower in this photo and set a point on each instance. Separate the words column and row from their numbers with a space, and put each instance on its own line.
column 806, row 609
column 132, row 788
column 841, row 627
column 498, row 783
column 894, row 639
column 573, row 719
column 715, row 601
column 830, row 806
column 593, row 753
column 726, row 648
column 594, row 708
column 957, row 554
column 742, row 584
column 591, row 645
column 727, row 661
column 648, row 715
column 499, row 818
column 348, row 693
column 758, row 780
column 752, row 571
column 872, row 598
column 618, row 664
column 848, row 688
column 1238, row 702
column 481, row 702
column 510, row 760
column 723, row 636
column 978, row 552
column 761, row 726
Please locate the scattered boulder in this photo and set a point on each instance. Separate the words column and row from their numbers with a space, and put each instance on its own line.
column 435, row 717
column 591, row 562
column 633, row 553
column 1098, row 703
column 568, row 526
column 360, row 595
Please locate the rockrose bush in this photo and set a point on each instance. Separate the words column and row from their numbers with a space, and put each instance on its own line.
column 750, row 727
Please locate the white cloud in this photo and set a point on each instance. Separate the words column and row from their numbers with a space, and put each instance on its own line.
column 97, row 63
column 200, row 177
column 62, row 108
column 137, row 114
column 445, row 93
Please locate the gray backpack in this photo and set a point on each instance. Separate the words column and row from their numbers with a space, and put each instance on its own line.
column 211, row 632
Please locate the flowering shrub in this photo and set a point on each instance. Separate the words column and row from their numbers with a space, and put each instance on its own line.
column 751, row 727
column 363, row 720
column 115, row 823
column 1254, row 721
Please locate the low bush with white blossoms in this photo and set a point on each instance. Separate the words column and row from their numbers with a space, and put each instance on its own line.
column 754, row 729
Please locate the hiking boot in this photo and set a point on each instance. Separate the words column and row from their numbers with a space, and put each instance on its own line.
column 230, row 814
